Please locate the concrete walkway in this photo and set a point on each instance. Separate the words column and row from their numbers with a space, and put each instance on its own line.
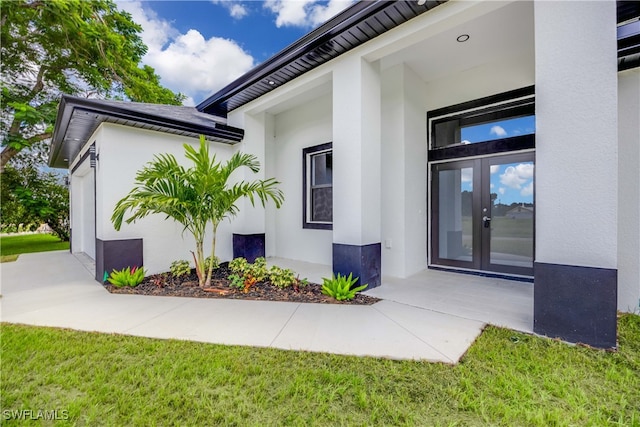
column 56, row 289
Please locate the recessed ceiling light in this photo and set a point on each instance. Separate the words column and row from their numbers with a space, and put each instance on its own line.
column 462, row 38
column 271, row 82
column 421, row 2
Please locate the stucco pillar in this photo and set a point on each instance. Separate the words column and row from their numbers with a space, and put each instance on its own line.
column 250, row 224
column 576, row 171
column 356, row 170
column 629, row 191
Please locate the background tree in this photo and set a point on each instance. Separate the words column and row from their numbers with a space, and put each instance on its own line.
column 32, row 197
column 195, row 197
column 75, row 47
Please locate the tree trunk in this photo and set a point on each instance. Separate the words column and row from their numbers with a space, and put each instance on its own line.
column 213, row 256
column 7, row 154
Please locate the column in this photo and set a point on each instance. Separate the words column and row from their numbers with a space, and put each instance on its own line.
column 356, row 170
column 576, row 171
column 249, row 226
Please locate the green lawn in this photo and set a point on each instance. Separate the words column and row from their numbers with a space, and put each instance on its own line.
column 506, row 378
column 28, row 243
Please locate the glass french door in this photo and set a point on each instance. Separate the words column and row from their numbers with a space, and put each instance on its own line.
column 483, row 214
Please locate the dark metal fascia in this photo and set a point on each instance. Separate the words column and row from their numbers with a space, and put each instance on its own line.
column 215, row 130
column 68, row 105
column 59, row 130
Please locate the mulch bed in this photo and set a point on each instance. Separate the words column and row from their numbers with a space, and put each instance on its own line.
column 187, row 286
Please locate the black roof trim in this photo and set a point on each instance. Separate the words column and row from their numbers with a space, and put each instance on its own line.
column 78, row 118
column 354, row 26
column 628, row 14
column 328, row 41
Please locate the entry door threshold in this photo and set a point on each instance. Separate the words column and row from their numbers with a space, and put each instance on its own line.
column 515, row 277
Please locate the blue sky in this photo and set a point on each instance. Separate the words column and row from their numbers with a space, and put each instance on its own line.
column 198, row 47
column 513, row 183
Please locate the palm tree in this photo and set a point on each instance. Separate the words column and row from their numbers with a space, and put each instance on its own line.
column 196, row 196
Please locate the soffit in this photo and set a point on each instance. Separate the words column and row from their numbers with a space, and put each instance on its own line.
column 356, row 25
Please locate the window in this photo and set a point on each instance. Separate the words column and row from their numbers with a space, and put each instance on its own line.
column 317, row 169
column 499, row 123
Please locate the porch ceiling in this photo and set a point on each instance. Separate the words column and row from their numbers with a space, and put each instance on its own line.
column 497, row 36
column 356, row 25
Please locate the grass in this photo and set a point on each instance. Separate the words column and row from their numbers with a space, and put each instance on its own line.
column 506, row 378
column 28, row 243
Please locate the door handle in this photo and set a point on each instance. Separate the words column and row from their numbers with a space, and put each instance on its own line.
column 486, row 221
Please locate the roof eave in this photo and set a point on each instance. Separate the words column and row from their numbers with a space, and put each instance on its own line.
column 68, row 105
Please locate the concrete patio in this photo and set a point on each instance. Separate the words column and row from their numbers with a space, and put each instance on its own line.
column 432, row 316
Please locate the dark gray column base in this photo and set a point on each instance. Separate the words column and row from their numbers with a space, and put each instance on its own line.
column 249, row 246
column 576, row 304
column 116, row 255
column 363, row 261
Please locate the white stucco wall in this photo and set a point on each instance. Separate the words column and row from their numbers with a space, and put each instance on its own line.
column 356, row 151
column 122, row 152
column 576, row 120
column 294, row 130
column 404, row 173
column 629, row 190
column 251, row 218
column 83, row 210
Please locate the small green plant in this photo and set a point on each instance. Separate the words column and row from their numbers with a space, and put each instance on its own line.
column 281, row 277
column 238, row 265
column 130, row 276
column 340, row 287
column 245, row 275
column 236, row 281
column 207, row 262
column 258, row 269
column 180, row 268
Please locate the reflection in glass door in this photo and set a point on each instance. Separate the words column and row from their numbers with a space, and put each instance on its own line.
column 508, row 222
column 453, row 205
column 483, row 214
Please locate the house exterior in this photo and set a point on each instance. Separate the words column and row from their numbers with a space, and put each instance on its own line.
column 397, row 130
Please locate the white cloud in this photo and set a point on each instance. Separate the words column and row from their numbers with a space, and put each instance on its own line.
column 236, row 9
column 494, row 168
column 188, row 63
column 502, row 190
column 515, row 177
column 466, row 174
column 304, row 13
column 527, row 190
column 498, row 131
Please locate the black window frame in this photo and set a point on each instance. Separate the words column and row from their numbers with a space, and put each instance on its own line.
column 512, row 104
column 307, row 154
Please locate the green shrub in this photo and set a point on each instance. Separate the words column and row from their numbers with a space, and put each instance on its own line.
column 238, row 265
column 180, row 268
column 127, row 277
column 340, row 287
column 283, row 278
column 258, row 270
column 207, row 262
column 236, row 281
